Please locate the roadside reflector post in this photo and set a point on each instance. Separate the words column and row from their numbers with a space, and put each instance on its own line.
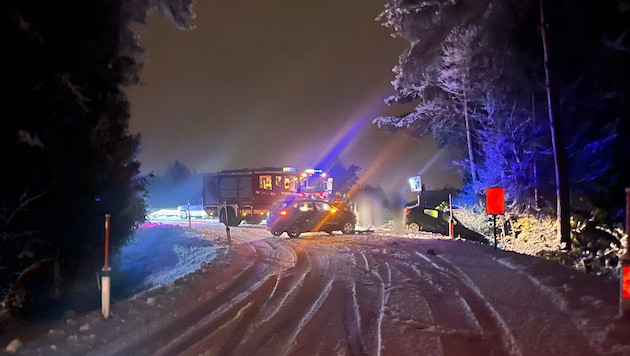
column 624, row 290
column 226, row 221
column 451, row 223
column 495, row 205
column 189, row 217
column 105, row 279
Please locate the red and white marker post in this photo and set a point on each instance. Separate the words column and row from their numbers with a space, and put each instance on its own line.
column 189, row 217
column 105, row 279
column 451, row 222
column 495, row 205
column 624, row 290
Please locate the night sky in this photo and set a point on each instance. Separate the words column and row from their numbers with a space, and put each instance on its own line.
column 276, row 83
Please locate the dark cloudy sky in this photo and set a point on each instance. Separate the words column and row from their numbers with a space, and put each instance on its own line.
column 276, row 83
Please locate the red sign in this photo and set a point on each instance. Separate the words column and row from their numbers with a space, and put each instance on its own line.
column 495, row 201
column 625, row 289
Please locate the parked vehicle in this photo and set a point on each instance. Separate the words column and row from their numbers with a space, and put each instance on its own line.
column 196, row 211
column 424, row 218
column 297, row 215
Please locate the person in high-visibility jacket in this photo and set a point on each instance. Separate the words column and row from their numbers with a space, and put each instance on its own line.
column 338, row 200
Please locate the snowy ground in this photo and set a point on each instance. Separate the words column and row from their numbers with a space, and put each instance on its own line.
column 376, row 294
column 158, row 255
column 165, row 249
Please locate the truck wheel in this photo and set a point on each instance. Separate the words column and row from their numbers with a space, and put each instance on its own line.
column 183, row 215
column 414, row 227
column 276, row 233
column 231, row 217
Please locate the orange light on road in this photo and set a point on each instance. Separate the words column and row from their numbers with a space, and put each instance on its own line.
column 283, row 212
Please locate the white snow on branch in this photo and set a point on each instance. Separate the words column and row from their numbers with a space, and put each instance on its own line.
column 30, row 138
column 75, row 90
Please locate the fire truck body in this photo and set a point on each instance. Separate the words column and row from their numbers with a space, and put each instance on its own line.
column 246, row 195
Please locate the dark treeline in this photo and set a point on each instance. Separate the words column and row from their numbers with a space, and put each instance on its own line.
column 178, row 185
column 65, row 129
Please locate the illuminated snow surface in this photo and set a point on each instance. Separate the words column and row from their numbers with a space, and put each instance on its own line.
column 159, row 255
column 383, row 293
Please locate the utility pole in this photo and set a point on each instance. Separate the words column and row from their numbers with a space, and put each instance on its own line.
column 557, row 141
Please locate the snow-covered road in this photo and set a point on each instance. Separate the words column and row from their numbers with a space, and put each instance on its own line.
column 357, row 295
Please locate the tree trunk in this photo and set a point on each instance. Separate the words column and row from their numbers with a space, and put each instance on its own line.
column 559, row 152
column 471, row 157
column 537, row 200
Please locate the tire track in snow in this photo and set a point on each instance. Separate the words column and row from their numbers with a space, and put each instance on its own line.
column 286, row 287
column 231, row 332
column 354, row 331
column 355, row 307
column 295, row 291
column 354, row 328
column 562, row 304
column 332, row 329
column 444, row 283
column 508, row 341
column 405, row 315
column 442, row 310
column 221, row 324
column 384, row 295
column 294, row 288
column 369, row 320
column 367, row 265
column 307, row 317
column 243, row 283
column 447, row 300
column 355, row 300
column 144, row 340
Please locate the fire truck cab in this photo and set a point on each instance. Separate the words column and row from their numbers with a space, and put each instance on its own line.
column 315, row 184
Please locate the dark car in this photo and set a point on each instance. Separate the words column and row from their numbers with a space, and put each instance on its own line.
column 297, row 215
column 424, row 218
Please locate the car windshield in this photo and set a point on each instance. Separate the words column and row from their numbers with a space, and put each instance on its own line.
column 304, row 206
column 323, row 206
column 281, row 204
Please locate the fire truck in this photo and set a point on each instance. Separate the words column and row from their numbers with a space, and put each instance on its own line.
column 248, row 194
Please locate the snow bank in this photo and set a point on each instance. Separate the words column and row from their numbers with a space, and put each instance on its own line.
column 158, row 255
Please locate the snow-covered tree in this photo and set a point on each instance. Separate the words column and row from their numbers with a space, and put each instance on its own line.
column 451, row 83
column 485, row 59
